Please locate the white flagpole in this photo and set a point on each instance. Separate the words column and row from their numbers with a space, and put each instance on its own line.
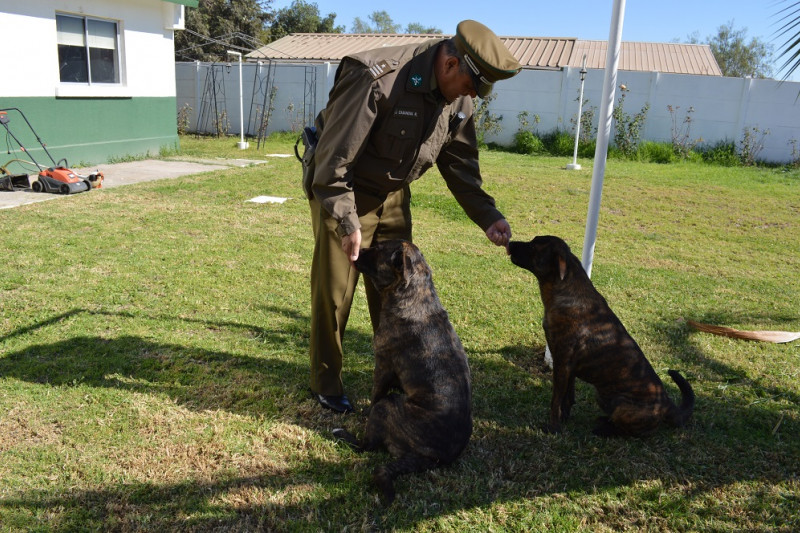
column 601, row 149
column 603, row 133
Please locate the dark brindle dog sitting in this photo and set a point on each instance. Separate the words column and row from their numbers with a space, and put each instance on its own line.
column 589, row 342
column 427, row 422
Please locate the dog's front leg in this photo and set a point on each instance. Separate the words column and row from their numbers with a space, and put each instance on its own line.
column 569, row 398
column 383, row 380
column 561, row 379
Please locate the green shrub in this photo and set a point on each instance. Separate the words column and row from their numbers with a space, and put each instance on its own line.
column 682, row 142
column 525, row 142
column 694, row 157
column 627, row 128
column 486, row 122
column 559, row 143
column 722, row 153
column 615, row 153
column 587, row 148
column 795, row 154
column 751, row 144
column 655, row 152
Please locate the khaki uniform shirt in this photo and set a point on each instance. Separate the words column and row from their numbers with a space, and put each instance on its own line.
column 385, row 124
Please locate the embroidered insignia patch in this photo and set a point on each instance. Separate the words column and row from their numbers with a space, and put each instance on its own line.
column 416, row 80
column 379, row 69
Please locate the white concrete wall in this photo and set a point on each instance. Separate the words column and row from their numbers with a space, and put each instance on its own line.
column 30, row 51
column 723, row 107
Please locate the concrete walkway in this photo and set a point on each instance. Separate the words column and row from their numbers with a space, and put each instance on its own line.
column 128, row 173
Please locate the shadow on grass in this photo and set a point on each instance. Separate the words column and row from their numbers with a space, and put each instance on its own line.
column 732, row 431
column 265, row 502
column 749, row 413
column 508, row 460
column 197, row 378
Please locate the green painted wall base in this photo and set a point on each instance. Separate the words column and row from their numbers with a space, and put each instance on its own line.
column 90, row 131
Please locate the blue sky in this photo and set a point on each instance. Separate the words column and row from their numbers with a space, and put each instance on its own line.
column 645, row 20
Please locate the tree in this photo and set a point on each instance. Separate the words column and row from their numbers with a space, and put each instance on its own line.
column 381, row 23
column 216, row 26
column 416, row 27
column 739, row 58
column 791, row 31
column 302, row 17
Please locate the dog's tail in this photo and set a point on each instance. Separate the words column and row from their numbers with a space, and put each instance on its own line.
column 409, row 463
column 681, row 414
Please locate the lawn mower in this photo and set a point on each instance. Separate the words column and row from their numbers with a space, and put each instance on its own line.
column 55, row 179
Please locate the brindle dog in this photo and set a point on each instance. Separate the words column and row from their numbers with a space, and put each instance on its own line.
column 588, row 341
column 421, row 402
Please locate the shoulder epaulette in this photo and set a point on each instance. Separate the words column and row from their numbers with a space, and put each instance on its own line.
column 381, row 68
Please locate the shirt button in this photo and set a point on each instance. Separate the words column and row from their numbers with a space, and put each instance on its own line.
column 402, row 132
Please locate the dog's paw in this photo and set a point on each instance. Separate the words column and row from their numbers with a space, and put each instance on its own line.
column 550, row 429
column 383, row 480
column 605, row 428
column 341, row 434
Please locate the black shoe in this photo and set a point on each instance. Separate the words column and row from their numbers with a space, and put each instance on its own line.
column 340, row 404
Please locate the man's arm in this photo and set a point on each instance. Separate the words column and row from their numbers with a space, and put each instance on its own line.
column 347, row 121
column 458, row 164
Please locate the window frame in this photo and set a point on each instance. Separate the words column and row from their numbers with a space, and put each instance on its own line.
column 91, row 87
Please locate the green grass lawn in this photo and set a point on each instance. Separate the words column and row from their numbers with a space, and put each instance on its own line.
column 154, row 357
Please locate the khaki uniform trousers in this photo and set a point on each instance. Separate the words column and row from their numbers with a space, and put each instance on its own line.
column 334, row 280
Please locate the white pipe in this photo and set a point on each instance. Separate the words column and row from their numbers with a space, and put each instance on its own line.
column 241, row 144
column 603, row 133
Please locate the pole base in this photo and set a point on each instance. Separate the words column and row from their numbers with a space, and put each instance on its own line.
column 244, row 145
column 573, row 166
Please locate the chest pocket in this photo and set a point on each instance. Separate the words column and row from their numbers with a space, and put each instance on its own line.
column 400, row 140
column 394, row 145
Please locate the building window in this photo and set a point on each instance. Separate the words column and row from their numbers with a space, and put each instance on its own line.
column 87, row 50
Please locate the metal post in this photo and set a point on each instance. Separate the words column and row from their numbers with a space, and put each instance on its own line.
column 574, row 165
column 241, row 144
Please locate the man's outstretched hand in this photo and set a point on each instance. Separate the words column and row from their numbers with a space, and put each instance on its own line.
column 499, row 233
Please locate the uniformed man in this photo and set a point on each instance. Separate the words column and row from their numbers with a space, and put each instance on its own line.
column 392, row 113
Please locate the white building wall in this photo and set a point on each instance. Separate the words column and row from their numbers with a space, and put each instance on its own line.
column 723, row 107
column 30, row 51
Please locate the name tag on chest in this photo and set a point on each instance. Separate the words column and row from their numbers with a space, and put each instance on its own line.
column 400, row 112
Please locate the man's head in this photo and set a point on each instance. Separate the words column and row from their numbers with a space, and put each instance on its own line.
column 480, row 59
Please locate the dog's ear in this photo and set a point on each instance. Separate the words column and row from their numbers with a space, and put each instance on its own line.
column 561, row 251
column 397, row 260
column 403, row 261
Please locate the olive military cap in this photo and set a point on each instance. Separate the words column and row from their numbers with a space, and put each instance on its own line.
column 488, row 59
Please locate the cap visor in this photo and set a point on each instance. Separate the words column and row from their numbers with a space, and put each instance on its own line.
column 484, row 89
